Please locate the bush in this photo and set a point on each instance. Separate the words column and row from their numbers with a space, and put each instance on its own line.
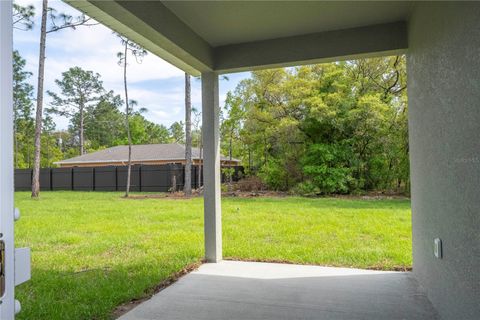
column 307, row 189
column 274, row 175
column 327, row 168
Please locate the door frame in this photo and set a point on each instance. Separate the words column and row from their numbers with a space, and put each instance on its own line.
column 7, row 306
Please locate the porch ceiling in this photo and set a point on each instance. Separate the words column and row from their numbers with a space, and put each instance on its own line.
column 229, row 36
column 232, row 22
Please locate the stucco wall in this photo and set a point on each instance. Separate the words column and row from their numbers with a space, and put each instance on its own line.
column 444, row 102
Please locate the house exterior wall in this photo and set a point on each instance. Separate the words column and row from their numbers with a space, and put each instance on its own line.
column 444, row 124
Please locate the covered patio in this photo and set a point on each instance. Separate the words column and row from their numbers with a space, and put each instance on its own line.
column 442, row 44
column 249, row 290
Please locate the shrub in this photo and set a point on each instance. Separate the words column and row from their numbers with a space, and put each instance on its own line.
column 327, row 169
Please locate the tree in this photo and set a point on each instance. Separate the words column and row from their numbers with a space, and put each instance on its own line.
column 23, row 16
column 143, row 131
column 155, row 133
column 197, row 140
column 138, row 53
column 230, row 127
column 39, row 113
column 51, row 151
column 23, row 107
column 329, row 128
column 104, row 122
column 79, row 90
column 232, row 121
column 188, row 137
column 22, row 90
column 177, row 133
column 57, row 22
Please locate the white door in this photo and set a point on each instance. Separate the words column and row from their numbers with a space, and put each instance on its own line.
column 14, row 264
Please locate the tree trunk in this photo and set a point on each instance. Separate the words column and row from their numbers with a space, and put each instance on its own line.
column 174, row 182
column 38, row 118
column 29, row 156
column 250, row 160
column 187, row 188
column 82, row 140
column 230, row 153
column 48, row 152
column 127, row 122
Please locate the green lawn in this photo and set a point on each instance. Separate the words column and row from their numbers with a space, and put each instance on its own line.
column 92, row 251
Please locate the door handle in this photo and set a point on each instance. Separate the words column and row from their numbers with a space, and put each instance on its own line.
column 2, row 268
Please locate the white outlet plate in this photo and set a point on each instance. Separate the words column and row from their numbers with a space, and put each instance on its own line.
column 437, row 248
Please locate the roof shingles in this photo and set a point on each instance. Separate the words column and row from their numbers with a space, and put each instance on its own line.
column 144, row 152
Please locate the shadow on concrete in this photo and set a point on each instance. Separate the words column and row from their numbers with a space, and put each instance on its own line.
column 246, row 290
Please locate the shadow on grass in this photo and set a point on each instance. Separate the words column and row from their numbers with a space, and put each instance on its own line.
column 98, row 293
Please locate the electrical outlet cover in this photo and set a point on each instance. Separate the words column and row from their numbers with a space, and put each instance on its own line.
column 437, row 248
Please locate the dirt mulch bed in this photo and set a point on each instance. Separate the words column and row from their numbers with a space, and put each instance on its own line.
column 170, row 195
column 196, row 194
column 268, row 194
column 372, row 196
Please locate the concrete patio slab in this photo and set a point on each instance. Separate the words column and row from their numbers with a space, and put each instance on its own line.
column 248, row 290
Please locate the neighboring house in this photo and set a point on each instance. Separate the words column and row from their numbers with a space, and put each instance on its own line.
column 145, row 154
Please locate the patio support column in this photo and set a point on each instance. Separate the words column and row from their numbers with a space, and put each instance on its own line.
column 211, row 173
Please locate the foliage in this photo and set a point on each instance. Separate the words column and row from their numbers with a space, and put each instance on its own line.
column 104, row 122
column 329, row 128
column 327, row 167
column 23, row 17
column 61, row 20
column 78, row 89
column 23, row 109
column 177, row 132
column 54, row 22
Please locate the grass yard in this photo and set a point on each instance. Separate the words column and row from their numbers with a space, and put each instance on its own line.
column 92, row 251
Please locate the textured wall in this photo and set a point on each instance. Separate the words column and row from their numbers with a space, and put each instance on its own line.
column 444, row 102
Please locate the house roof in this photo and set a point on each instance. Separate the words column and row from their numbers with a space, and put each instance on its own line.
column 145, row 152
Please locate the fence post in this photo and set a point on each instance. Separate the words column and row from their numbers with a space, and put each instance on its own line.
column 93, row 179
column 51, row 178
column 116, row 178
column 140, row 178
column 73, row 176
column 194, row 179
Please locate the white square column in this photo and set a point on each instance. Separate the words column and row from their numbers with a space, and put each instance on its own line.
column 211, row 167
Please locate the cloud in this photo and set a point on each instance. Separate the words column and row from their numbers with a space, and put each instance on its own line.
column 155, row 84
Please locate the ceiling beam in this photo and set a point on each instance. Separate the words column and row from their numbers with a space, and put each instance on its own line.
column 154, row 27
column 375, row 40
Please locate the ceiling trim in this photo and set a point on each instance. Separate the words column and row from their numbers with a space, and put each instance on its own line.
column 375, row 40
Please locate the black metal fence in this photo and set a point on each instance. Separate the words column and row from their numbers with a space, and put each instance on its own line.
column 155, row 178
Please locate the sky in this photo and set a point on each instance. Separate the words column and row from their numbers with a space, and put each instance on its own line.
column 154, row 84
